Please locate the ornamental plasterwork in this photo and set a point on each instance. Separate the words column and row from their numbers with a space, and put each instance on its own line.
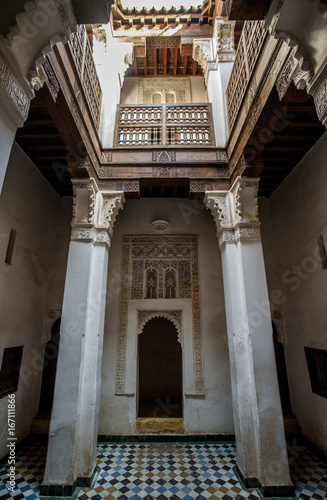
column 17, row 96
column 321, row 102
column 174, row 316
column 224, row 32
column 203, row 53
column 218, row 203
column 291, row 71
column 180, row 87
column 152, row 267
column 160, row 225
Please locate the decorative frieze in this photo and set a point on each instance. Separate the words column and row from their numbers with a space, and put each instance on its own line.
column 155, row 267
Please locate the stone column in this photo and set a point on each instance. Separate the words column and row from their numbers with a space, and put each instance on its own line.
column 260, row 441
column 71, row 457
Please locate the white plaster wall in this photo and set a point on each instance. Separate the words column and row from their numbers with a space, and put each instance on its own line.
column 129, row 92
column 209, row 414
column 198, row 90
column 292, row 220
column 29, row 205
column 7, row 134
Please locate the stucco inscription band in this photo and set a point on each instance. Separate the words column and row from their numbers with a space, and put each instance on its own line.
column 154, row 267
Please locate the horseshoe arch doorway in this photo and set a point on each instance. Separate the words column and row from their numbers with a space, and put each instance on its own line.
column 160, row 371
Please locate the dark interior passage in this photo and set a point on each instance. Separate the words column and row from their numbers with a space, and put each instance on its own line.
column 49, row 370
column 282, row 374
column 160, row 370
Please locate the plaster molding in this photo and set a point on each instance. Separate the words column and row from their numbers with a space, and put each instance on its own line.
column 175, row 316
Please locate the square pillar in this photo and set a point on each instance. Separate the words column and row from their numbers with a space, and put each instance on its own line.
column 71, row 456
column 261, row 451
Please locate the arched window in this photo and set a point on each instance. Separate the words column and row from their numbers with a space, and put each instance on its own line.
column 151, row 284
column 157, row 98
column 170, row 97
column 170, row 284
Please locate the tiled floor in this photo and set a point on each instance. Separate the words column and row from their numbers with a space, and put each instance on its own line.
column 167, row 470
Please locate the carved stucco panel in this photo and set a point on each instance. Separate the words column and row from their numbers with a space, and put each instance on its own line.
column 158, row 254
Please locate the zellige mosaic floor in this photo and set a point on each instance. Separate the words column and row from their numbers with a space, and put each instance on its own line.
column 167, row 471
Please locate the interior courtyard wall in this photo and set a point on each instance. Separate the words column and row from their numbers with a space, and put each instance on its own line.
column 211, row 413
column 292, row 221
column 30, row 206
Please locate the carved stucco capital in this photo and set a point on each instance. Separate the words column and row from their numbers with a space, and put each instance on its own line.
column 94, row 212
column 236, row 211
column 109, row 204
column 204, row 54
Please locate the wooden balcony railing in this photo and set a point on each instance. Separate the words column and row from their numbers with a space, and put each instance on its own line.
column 248, row 51
column 82, row 55
column 164, row 125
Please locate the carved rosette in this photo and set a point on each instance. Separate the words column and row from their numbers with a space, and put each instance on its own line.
column 94, row 212
column 236, row 211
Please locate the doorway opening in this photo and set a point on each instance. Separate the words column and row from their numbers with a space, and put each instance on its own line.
column 282, row 374
column 49, row 370
column 160, row 370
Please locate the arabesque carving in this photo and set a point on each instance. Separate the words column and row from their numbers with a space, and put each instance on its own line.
column 175, row 316
column 155, row 256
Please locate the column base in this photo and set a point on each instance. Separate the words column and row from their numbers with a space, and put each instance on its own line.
column 67, row 490
column 282, row 492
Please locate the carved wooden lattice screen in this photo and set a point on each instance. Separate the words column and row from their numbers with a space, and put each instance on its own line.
column 164, row 124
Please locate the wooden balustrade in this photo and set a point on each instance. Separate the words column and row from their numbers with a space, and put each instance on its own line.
column 82, row 56
column 164, row 124
column 248, row 51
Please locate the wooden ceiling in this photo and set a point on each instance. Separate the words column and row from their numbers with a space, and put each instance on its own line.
column 40, row 140
column 164, row 61
column 285, row 132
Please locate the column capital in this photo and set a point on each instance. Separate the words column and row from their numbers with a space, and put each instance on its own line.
column 235, row 211
column 94, row 212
